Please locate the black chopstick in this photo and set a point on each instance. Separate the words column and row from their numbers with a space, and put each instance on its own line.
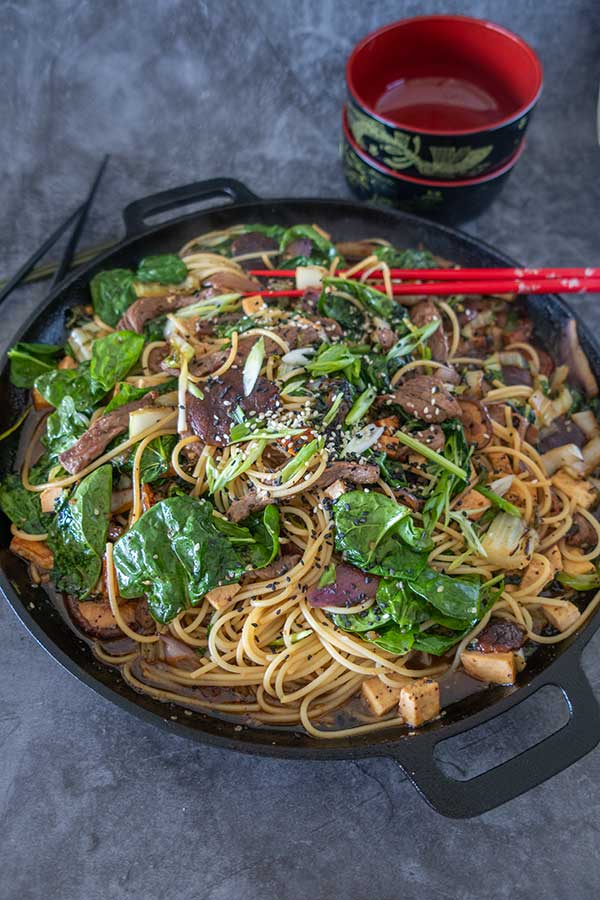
column 78, row 214
column 67, row 257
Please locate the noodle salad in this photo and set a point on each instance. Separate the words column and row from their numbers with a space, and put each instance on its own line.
column 313, row 511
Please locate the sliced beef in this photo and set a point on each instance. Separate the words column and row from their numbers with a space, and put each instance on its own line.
column 409, row 499
column 516, row 375
column 427, row 399
column 433, row 437
column 581, row 533
column 211, row 419
column 156, row 357
column 147, row 308
column 424, row 313
column 354, row 251
column 95, row 617
column 229, row 282
column 306, row 333
column 274, row 570
column 309, row 300
column 476, row 422
column 500, row 636
column 253, row 501
column 561, row 431
column 546, row 363
column 252, row 242
column 521, row 334
column 351, row 586
column 386, row 337
column 356, row 473
column 99, row 435
column 298, row 247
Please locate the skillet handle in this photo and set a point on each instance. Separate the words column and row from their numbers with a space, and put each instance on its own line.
column 136, row 213
column 463, row 799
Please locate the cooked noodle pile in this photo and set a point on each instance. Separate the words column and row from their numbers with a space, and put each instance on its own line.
column 267, row 646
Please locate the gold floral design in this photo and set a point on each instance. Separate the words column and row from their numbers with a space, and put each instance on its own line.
column 400, row 150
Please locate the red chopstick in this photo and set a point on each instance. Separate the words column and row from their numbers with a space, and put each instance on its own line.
column 524, row 274
column 449, row 288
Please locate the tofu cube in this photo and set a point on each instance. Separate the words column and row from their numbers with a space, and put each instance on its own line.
column 501, row 464
column 562, row 617
column 49, row 497
column 254, row 304
column 219, row 597
column 379, row 697
column 474, row 503
column 420, row 701
column 555, row 558
column 336, row 489
column 578, row 490
column 577, row 566
column 498, row 668
column 36, row 552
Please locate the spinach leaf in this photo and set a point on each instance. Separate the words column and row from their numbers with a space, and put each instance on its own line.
column 323, row 250
column 369, row 620
column 74, row 383
column 113, row 356
column 391, row 471
column 77, row 534
column 22, row 506
column 64, row 427
column 27, row 361
column 165, row 268
column 242, row 325
column 377, row 534
column 264, row 528
column 455, row 597
column 374, row 301
column 154, row 330
column 349, row 317
column 112, row 294
column 406, row 259
column 405, row 609
column 156, row 458
column 395, row 640
column 174, row 554
column 127, row 393
column 436, row 643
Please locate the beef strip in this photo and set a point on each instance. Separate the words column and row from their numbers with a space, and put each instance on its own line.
column 356, row 473
column 211, row 419
column 386, row 337
column 99, row 435
column 500, row 636
column 298, row 247
column 427, row 399
column 147, row 308
column 306, row 333
column 476, row 422
column 561, row 431
column 252, row 242
column 354, row 251
column 274, row 570
column 229, row 282
column 521, row 334
column 249, row 503
column 516, row 375
column 95, row 617
column 581, row 533
column 156, row 358
column 309, row 300
column 424, row 313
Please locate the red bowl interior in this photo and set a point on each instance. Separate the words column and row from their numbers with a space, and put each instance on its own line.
column 444, row 75
column 427, row 182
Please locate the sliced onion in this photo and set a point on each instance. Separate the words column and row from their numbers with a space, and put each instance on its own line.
column 364, row 439
column 591, row 454
column 299, row 357
column 567, row 455
column 502, row 485
column 253, row 365
column 587, row 422
column 141, row 419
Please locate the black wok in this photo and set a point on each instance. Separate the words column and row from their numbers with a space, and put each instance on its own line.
column 555, row 664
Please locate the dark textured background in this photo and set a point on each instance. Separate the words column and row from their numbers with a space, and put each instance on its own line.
column 93, row 804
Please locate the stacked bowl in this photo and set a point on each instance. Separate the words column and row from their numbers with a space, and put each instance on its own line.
column 437, row 111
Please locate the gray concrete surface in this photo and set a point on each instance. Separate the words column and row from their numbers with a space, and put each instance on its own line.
column 93, row 804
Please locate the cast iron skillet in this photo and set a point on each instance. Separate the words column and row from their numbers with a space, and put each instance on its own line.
column 557, row 665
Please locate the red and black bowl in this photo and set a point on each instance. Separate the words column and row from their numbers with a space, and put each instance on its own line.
column 448, row 201
column 442, row 97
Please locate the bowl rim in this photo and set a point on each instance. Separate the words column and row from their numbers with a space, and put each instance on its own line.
column 368, row 160
column 447, row 132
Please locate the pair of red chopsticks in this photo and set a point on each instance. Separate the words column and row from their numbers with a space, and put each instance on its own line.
column 446, row 282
